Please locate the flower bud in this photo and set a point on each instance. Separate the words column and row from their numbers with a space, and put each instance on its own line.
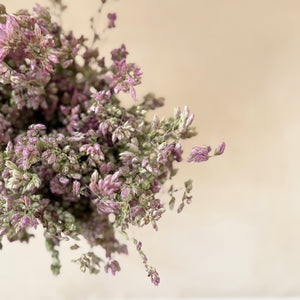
column 220, row 149
column 26, row 200
column 76, row 187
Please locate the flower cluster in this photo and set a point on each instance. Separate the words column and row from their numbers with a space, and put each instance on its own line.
column 72, row 159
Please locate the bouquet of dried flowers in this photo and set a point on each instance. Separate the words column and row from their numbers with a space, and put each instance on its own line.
column 72, row 159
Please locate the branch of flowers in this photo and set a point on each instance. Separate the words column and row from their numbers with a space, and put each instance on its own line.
column 72, row 159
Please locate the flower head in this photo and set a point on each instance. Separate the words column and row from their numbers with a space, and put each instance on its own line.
column 199, row 154
column 73, row 158
column 220, row 149
column 112, row 18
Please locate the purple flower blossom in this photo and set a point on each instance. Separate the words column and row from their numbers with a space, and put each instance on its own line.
column 125, row 192
column 112, row 18
column 154, row 276
column 76, row 187
column 119, row 53
column 113, row 266
column 25, row 221
column 127, row 76
column 26, row 200
column 199, row 154
column 106, row 207
column 139, row 245
column 101, row 95
column 167, row 152
column 220, row 149
column 107, row 186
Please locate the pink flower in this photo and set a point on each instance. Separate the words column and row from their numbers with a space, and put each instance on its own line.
column 76, row 187
column 119, row 53
column 127, row 76
column 26, row 200
column 113, row 266
column 199, row 154
column 112, row 18
column 107, row 206
column 220, row 149
column 154, row 276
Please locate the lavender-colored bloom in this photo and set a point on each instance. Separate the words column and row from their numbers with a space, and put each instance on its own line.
column 125, row 192
column 199, row 154
column 76, row 187
column 64, row 180
column 52, row 158
column 127, row 76
column 66, row 64
column 113, row 266
column 3, row 231
column 106, row 207
column 220, row 149
column 132, row 90
column 139, row 245
column 26, row 200
column 101, row 95
column 25, row 221
column 112, row 18
column 119, row 53
column 154, row 276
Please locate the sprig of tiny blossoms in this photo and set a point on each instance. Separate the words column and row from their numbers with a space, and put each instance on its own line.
column 71, row 156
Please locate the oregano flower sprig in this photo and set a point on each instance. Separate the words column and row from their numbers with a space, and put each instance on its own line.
column 71, row 155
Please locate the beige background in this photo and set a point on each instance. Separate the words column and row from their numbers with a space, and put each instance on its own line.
column 236, row 65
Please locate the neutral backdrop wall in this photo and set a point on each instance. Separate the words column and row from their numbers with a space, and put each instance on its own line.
column 236, row 64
